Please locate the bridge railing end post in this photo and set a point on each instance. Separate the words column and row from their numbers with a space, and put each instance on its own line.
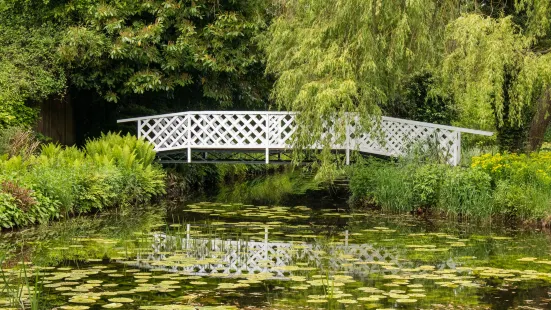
column 267, row 138
column 347, row 141
column 457, row 155
column 189, row 116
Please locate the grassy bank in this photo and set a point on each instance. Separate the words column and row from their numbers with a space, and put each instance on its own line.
column 499, row 185
column 41, row 183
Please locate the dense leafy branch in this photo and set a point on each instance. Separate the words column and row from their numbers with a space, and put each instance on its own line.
column 137, row 47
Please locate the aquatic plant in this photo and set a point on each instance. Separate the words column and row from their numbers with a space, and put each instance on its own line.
column 214, row 256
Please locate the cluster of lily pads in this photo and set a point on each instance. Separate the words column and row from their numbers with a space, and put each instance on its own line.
column 233, row 256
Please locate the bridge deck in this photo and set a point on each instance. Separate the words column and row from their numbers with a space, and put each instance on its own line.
column 189, row 134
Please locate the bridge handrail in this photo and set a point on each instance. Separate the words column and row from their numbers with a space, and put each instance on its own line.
column 272, row 130
column 387, row 118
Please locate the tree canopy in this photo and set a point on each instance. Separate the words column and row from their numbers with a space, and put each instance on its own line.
column 498, row 68
column 339, row 56
column 475, row 63
column 29, row 72
column 123, row 49
column 136, row 46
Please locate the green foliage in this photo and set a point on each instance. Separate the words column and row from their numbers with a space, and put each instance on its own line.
column 522, row 200
column 490, row 59
column 383, row 184
column 18, row 141
column 478, row 85
column 332, row 57
column 518, row 168
column 497, row 67
column 522, row 182
column 10, row 214
column 422, row 100
column 547, row 137
column 134, row 47
column 508, row 185
column 425, row 181
column 126, row 151
column 109, row 171
column 466, row 192
column 29, row 70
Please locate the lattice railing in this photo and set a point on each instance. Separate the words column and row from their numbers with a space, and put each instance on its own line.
column 219, row 130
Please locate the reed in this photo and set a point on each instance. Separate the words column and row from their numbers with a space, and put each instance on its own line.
column 495, row 185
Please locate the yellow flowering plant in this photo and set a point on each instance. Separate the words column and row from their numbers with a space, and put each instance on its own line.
column 517, row 167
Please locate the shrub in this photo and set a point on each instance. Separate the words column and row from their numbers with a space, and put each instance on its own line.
column 23, row 196
column 425, row 181
column 522, row 200
column 10, row 214
column 507, row 184
column 522, row 168
column 110, row 171
column 18, row 141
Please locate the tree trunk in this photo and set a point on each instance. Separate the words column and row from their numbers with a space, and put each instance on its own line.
column 540, row 121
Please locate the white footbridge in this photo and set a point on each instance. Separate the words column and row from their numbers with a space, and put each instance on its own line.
column 217, row 136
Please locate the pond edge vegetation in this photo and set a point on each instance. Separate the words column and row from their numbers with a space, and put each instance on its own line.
column 506, row 186
column 47, row 182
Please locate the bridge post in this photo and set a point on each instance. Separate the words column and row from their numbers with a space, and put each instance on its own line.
column 346, row 238
column 267, row 141
column 189, row 138
column 457, row 150
column 187, row 236
column 347, row 142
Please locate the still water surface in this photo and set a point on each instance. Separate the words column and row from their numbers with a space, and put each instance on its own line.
column 273, row 243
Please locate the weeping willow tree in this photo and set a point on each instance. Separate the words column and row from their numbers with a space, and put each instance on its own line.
column 498, row 67
column 331, row 57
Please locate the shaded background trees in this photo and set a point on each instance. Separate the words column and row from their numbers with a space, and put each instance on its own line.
column 481, row 64
column 123, row 58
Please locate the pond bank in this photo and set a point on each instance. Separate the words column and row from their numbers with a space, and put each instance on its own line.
column 493, row 187
column 57, row 182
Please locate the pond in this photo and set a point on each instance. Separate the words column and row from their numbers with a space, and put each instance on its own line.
column 299, row 247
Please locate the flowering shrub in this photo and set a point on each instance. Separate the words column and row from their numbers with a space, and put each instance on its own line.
column 510, row 185
column 522, row 182
column 522, row 168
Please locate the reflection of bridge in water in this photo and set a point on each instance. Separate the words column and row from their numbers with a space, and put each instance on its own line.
column 234, row 258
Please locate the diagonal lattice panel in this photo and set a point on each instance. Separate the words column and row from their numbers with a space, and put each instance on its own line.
column 281, row 129
column 237, row 130
column 166, row 133
column 274, row 130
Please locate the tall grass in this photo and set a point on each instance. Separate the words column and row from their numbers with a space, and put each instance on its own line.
column 382, row 184
column 516, row 186
column 465, row 192
column 21, row 291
